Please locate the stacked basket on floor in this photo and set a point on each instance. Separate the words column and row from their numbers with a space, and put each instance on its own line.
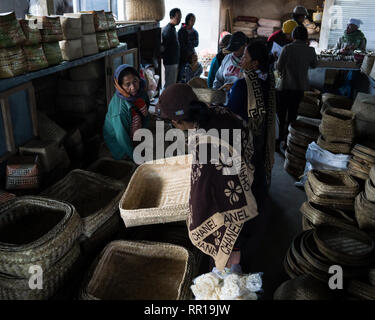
column 38, row 246
column 154, row 206
column 301, row 134
column 362, row 161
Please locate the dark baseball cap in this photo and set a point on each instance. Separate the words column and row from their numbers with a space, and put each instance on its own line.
column 174, row 102
column 237, row 40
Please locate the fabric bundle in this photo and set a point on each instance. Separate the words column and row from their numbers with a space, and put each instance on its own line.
column 52, row 52
column 35, row 57
column 11, row 33
column 362, row 162
column 71, row 49
column 12, row 62
column 71, row 27
column 31, row 31
column 50, row 28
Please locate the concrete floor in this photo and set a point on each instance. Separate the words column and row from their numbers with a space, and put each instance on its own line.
column 278, row 224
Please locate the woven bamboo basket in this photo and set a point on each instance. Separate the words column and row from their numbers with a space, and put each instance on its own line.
column 363, row 156
column 71, row 27
column 22, row 172
column 47, row 150
column 338, row 125
column 371, row 276
column 101, row 237
column 310, row 121
column 365, row 150
column 87, row 20
column 351, row 248
column 307, row 224
column 35, row 231
column 370, row 190
column 113, row 40
column 198, row 83
column 362, row 290
column 12, row 62
column 292, row 169
column 339, row 99
column 299, row 151
column 335, row 184
column 158, row 192
column 11, row 33
column 102, row 41
column 295, row 159
column 14, row 288
column 365, row 212
column 115, row 169
column 360, row 165
column 6, row 196
column 344, row 204
column 297, row 140
column 336, row 148
column 31, row 32
column 145, row 10
column 309, row 107
column 142, row 271
column 304, row 287
column 337, row 102
column 356, row 173
column 304, row 130
column 291, row 266
column 110, row 20
column 94, row 196
column 89, row 44
column 319, row 215
column 210, row 96
column 52, row 52
column 100, row 20
column 367, row 64
column 51, row 30
column 71, row 49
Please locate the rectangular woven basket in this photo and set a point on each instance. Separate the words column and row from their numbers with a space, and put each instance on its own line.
column 158, row 192
column 94, row 196
column 128, row 270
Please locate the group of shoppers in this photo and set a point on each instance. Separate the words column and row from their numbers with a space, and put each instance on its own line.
column 178, row 49
column 232, row 203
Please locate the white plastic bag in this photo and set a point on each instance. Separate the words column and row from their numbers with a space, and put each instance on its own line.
column 320, row 159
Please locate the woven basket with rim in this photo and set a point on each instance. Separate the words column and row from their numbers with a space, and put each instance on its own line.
column 337, row 147
column 345, row 247
column 365, row 150
column 356, row 173
column 341, row 203
column 370, row 190
column 360, row 165
column 94, row 196
column 14, row 288
column 210, row 96
column 100, row 20
column 296, row 149
column 141, row 271
column 362, row 290
column 35, row 231
column 304, row 287
column 297, row 160
column 145, row 10
column 365, row 212
column 292, row 169
column 115, row 169
column 49, row 130
column 306, row 224
column 321, row 215
column 337, row 102
column 367, row 158
column 158, row 192
column 330, row 183
column 309, row 107
column 297, row 140
column 338, row 125
column 304, row 130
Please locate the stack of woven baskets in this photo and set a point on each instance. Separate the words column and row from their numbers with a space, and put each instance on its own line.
column 361, row 162
column 337, row 130
column 365, row 205
column 301, row 134
column 334, row 189
column 310, row 105
column 38, row 246
column 330, row 100
column 313, row 252
column 96, row 199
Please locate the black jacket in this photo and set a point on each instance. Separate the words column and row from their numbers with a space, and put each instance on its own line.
column 170, row 45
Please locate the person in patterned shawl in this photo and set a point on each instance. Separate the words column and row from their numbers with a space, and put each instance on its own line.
column 221, row 199
column 253, row 98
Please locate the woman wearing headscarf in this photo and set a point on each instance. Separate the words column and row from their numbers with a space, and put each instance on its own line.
column 127, row 112
column 353, row 38
column 253, row 98
column 221, row 200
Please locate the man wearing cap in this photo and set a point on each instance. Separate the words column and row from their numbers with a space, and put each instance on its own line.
column 353, row 38
column 230, row 69
column 282, row 37
column 299, row 14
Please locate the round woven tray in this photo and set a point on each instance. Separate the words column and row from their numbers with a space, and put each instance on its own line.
column 309, row 107
column 360, row 165
column 364, row 157
column 337, row 148
column 365, row 150
column 299, row 141
column 35, row 231
column 355, row 173
column 320, row 215
column 365, row 212
column 299, row 151
column 304, row 130
column 296, row 160
column 343, row 246
column 345, row 204
column 361, row 290
column 304, row 287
